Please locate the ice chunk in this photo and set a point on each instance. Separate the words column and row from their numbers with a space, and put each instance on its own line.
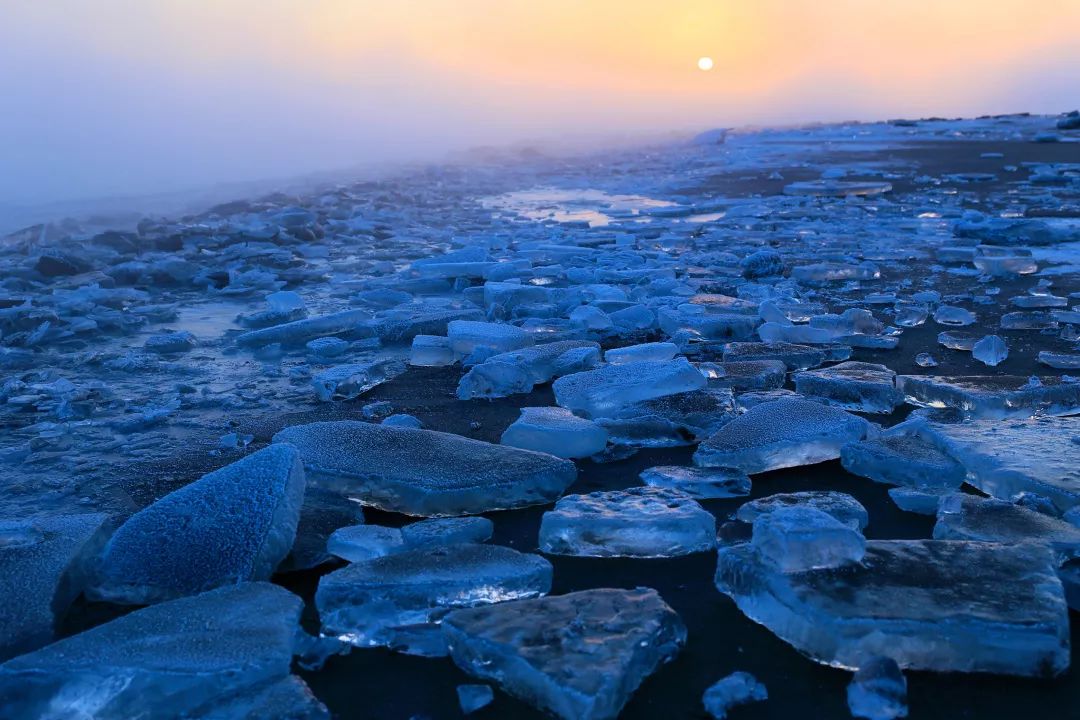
column 43, row 568
column 322, row 513
column 841, row 506
column 555, row 431
column 952, row 315
column 402, row 420
column 638, row 522
column 447, row 531
column 738, row 688
column 170, row 343
column 299, row 332
column 578, row 656
column 800, row 537
column 706, row 483
column 902, row 459
column 796, row 357
column 762, row 264
column 1061, row 361
column 991, row 350
column 1004, row 458
column 422, row 472
column 605, row 391
column 878, row 691
column 921, row 500
column 672, row 420
column 865, row 387
column 785, row 433
column 649, row 352
column 234, row 524
column 184, row 658
column 949, row 606
column 467, row 335
column 967, row 517
column 518, row 371
column 747, row 374
column 381, row 601
column 326, row 348
column 992, row 396
column 346, row 382
column 474, row 697
column 364, row 542
column 431, row 351
column 286, row 698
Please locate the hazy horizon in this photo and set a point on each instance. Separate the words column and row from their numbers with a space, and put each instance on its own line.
column 122, row 98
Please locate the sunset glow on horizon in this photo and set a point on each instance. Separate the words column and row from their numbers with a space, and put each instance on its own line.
column 250, row 88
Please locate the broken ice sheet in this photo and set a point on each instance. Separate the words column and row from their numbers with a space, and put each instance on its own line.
column 841, row 506
column 346, row 382
column 603, row 392
column 395, row 600
column 578, row 656
column 948, row 606
column 422, row 472
column 780, row 434
column 639, row 522
column 865, row 387
column 968, row 517
column 993, row 396
column 555, row 431
column 187, row 657
column 704, row 483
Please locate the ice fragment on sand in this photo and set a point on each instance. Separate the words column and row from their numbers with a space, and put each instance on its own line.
column 363, row 542
column 447, row 531
column 555, row 431
column 467, row 335
column 865, row 387
column 183, row 658
column 878, row 691
column 234, row 524
column 841, row 506
column 345, row 382
column 603, row 392
column 992, row 396
column 380, row 601
column 578, row 656
column 968, row 517
column 43, row 568
column 785, row 433
column 991, row 350
column 796, row 357
column 799, row 538
column 929, row 604
column 519, row 370
column 706, row 483
column 898, row 458
column 422, row 472
column 738, row 688
column 639, row 522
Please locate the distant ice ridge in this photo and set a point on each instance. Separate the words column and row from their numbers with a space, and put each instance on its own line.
column 422, row 472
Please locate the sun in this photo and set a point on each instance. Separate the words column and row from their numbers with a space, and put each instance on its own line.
column 705, row 63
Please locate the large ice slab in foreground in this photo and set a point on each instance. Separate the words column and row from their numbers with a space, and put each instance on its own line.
column 638, row 522
column 578, row 656
column 182, row 658
column 422, row 472
column 928, row 604
column 603, row 392
column 780, row 434
column 993, row 396
column 234, row 524
column 1003, row 458
column 43, row 567
column 376, row 602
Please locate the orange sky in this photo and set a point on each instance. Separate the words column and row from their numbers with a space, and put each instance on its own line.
column 209, row 86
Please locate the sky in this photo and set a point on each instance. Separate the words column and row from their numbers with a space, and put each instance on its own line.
column 102, row 98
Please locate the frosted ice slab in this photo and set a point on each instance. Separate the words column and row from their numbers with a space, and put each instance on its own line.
column 468, row 335
column 555, row 431
column 747, row 374
column 865, row 387
column 948, row 606
column 841, row 506
column 231, row 525
column 785, row 433
column 672, row 420
column 423, row 472
column 738, row 688
column 902, row 459
column 705, row 483
column 968, row 517
column 992, row 396
column 639, row 522
column 800, row 537
column 364, row 542
column 346, row 382
column 447, row 531
column 382, row 601
column 183, row 658
column 43, row 567
column 518, row 371
column 578, row 656
column 605, row 391
column 878, row 691
column 1039, row 455
column 795, row 357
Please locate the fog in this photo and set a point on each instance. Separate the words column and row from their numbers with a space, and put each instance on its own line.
column 116, row 98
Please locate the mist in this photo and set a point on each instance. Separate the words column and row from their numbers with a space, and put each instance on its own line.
column 115, row 98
